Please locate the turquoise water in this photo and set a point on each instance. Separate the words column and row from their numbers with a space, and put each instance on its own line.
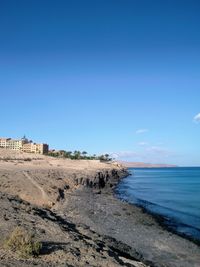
column 173, row 193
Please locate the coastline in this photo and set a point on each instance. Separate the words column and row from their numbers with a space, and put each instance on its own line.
column 86, row 224
column 164, row 223
column 32, row 194
column 151, row 240
column 169, row 223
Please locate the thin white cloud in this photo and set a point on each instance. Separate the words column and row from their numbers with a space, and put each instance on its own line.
column 158, row 150
column 142, row 143
column 123, row 154
column 141, row 131
column 197, row 118
column 148, row 154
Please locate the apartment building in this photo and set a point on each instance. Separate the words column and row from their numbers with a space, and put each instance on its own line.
column 3, row 142
column 24, row 145
column 12, row 144
column 35, row 148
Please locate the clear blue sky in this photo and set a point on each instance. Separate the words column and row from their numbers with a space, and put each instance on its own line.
column 89, row 74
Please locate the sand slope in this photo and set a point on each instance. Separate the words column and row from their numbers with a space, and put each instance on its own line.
column 44, row 180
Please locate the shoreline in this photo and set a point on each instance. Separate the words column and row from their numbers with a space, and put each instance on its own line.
column 160, row 219
column 164, row 221
column 152, row 242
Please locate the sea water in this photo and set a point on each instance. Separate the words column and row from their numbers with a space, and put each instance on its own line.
column 172, row 193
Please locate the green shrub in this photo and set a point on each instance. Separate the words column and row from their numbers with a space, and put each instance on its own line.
column 23, row 243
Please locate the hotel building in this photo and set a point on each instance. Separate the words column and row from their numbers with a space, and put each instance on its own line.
column 35, row 148
column 24, row 145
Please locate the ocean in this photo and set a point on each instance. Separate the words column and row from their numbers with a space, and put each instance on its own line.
column 171, row 193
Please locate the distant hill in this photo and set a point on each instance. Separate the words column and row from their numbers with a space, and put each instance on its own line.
column 145, row 165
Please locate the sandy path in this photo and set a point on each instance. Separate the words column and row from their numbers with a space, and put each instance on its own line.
column 43, row 193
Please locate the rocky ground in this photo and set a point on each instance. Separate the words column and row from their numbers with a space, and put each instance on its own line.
column 32, row 191
column 64, row 243
column 71, row 208
column 153, row 244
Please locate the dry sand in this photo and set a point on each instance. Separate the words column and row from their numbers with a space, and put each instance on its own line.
column 44, row 180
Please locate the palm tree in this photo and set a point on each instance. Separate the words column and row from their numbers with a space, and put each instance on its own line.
column 107, row 157
column 84, row 153
column 77, row 154
column 68, row 154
